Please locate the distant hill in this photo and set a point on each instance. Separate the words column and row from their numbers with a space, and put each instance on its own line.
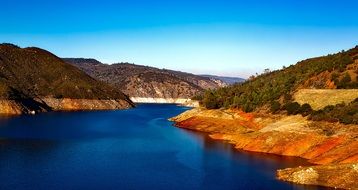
column 34, row 74
column 145, row 81
column 227, row 80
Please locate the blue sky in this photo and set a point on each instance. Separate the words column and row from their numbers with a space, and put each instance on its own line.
column 234, row 38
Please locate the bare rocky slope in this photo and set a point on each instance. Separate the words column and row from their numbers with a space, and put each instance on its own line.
column 34, row 80
column 141, row 82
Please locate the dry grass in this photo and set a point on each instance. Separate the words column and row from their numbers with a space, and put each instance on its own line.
column 320, row 98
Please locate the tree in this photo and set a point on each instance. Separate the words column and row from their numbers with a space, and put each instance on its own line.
column 275, row 106
column 210, row 101
column 306, row 109
column 292, row 108
column 266, row 71
column 345, row 81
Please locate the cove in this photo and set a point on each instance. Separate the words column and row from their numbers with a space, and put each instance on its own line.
column 126, row 149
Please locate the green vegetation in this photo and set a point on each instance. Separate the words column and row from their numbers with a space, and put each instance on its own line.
column 277, row 85
column 346, row 82
column 347, row 114
column 306, row 109
column 344, row 113
column 292, row 108
column 210, row 100
column 275, row 106
column 275, row 89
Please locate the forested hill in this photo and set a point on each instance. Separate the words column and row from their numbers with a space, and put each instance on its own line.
column 275, row 89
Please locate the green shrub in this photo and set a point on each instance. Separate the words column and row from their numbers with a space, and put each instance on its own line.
column 210, row 101
column 275, row 106
column 344, row 113
column 346, row 119
column 335, row 77
column 306, row 109
column 292, row 108
column 345, row 82
column 197, row 97
column 58, row 96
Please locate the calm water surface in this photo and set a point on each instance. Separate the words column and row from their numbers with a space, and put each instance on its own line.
column 128, row 149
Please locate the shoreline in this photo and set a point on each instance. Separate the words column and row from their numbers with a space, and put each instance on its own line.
column 182, row 101
column 48, row 104
column 293, row 136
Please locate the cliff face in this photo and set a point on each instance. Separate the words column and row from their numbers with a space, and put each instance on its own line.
column 319, row 142
column 147, row 82
column 29, row 77
column 67, row 104
column 10, row 107
column 22, row 106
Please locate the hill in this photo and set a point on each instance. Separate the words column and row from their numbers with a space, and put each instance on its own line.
column 41, row 78
column 307, row 110
column 146, row 82
column 276, row 89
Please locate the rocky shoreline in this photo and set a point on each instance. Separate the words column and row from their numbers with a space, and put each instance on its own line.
column 182, row 101
column 36, row 105
column 343, row 176
column 330, row 147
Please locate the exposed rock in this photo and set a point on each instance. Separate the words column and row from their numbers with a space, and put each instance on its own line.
column 307, row 176
column 10, row 107
column 16, row 107
column 22, row 106
column 67, row 104
column 342, row 176
column 279, row 134
column 183, row 101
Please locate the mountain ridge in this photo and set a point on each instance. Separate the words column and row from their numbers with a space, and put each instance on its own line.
column 146, row 82
column 228, row 80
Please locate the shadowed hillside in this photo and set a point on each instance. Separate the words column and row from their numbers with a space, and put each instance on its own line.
column 33, row 73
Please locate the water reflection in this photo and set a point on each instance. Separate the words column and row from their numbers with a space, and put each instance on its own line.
column 265, row 163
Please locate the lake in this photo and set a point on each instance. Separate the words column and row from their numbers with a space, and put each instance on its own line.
column 126, row 149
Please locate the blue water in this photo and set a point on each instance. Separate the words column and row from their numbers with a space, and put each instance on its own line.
column 127, row 149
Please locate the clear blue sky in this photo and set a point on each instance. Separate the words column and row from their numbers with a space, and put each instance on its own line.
column 235, row 38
